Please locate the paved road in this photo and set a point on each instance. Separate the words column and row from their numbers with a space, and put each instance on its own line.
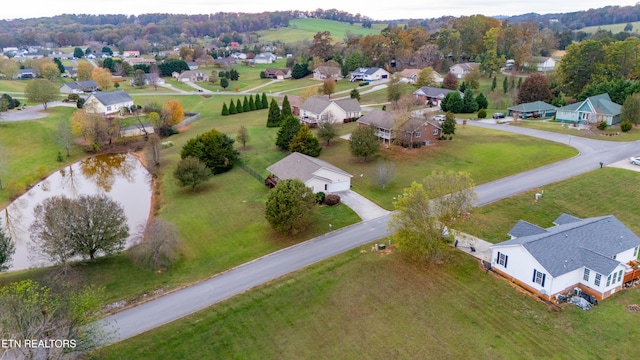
column 183, row 302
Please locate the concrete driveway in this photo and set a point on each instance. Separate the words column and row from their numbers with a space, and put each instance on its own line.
column 365, row 208
column 625, row 164
column 32, row 112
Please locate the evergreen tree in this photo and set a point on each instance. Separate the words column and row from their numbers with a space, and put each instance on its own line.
column 252, row 104
column 463, row 87
column 505, row 85
column 265, row 103
column 469, row 104
column 245, row 105
column 494, row 83
column 286, row 108
column 305, row 142
column 232, row 108
column 482, row 101
column 239, row 107
column 290, row 127
column 274, row 114
column 452, row 102
column 225, row 111
column 449, row 124
column 519, row 82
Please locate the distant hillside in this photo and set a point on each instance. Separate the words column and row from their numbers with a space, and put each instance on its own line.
column 305, row 29
column 614, row 28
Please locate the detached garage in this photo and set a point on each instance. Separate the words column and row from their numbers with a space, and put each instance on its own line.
column 318, row 175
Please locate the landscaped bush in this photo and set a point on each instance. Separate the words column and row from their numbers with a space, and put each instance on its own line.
column 320, row 197
column 348, row 120
column 626, row 125
column 482, row 113
column 332, row 199
column 363, row 83
column 602, row 125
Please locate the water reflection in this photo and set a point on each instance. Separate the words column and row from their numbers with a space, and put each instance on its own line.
column 120, row 176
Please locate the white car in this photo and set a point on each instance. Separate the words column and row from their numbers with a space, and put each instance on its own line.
column 439, row 118
column 635, row 160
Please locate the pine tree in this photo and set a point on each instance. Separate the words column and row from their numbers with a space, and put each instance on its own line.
column 239, row 107
column 252, row 105
column 469, row 104
column 265, row 103
column 494, row 83
column 290, row 127
column 286, row 109
column 232, row 108
column 505, row 85
column 305, row 142
column 274, row 114
column 245, row 105
column 225, row 111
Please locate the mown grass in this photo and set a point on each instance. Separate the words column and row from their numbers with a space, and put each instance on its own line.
column 12, row 86
column 614, row 28
column 611, row 133
column 366, row 305
column 305, row 29
column 582, row 196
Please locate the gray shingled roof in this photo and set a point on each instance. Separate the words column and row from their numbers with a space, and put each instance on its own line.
column 533, row 106
column 112, row 98
column 317, row 104
column 565, row 219
column 434, row 92
column 378, row 118
column 589, row 243
column 602, row 104
column 525, row 228
column 367, row 71
column 301, row 167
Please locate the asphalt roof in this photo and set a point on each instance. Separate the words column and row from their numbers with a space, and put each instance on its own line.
column 533, row 106
column 589, row 243
column 433, row 92
column 378, row 118
column 113, row 97
column 302, row 167
column 317, row 104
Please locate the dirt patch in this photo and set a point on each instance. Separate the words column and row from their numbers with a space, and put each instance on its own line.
column 633, row 308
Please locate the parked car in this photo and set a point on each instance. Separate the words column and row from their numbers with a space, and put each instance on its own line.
column 635, row 160
column 439, row 118
column 498, row 116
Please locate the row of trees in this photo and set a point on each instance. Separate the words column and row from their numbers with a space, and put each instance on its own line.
column 248, row 104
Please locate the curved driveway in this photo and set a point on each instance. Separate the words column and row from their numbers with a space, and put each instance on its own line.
column 180, row 303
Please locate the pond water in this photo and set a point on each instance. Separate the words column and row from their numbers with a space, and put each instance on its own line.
column 121, row 177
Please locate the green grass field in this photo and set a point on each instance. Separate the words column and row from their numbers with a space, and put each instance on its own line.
column 614, row 28
column 305, row 29
column 612, row 133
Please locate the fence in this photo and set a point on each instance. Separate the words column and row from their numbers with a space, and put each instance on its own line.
column 192, row 117
column 251, row 172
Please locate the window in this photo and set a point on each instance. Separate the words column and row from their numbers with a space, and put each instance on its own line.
column 609, row 280
column 586, row 274
column 503, row 259
column 418, row 134
column 613, row 281
column 635, row 252
column 539, row 277
column 614, row 257
column 598, row 278
column 620, row 275
column 434, row 132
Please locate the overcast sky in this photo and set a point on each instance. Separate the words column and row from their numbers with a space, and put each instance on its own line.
column 383, row 10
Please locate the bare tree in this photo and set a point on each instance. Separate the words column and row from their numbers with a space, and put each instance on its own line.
column 383, row 173
column 152, row 153
column 453, row 195
column 64, row 136
column 7, row 249
column 327, row 131
column 243, row 136
column 159, row 245
column 154, row 76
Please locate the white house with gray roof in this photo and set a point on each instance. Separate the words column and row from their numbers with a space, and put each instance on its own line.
column 369, row 74
column 317, row 109
column 592, row 254
column 318, row 175
column 107, row 103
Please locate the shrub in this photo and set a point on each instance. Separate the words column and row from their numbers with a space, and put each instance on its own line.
column 482, row 113
column 602, row 125
column 626, row 125
column 332, row 199
column 320, row 197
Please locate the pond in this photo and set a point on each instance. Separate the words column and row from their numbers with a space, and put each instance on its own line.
column 121, row 177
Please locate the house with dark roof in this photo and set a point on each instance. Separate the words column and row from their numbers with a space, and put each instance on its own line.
column 593, row 255
column 328, row 70
column 318, row 175
column 432, row 95
column 536, row 109
column 414, row 132
column 591, row 111
column 190, row 76
column 107, row 103
column 369, row 74
column 317, row 109
column 79, row 87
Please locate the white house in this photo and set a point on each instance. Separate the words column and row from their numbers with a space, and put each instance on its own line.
column 317, row 109
column 190, row 75
column 79, row 87
column 264, row 58
column 369, row 74
column 318, row 175
column 410, row 76
column 545, row 64
column 592, row 255
column 328, row 70
column 461, row 70
column 107, row 103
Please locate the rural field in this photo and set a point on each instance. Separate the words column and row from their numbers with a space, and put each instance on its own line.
column 305, row 29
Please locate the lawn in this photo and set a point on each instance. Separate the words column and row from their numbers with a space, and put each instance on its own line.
column 583, row 196
column 305, row 29
column 614, row 28
column 367, row 305
column 12, row 86
column 612, row 133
